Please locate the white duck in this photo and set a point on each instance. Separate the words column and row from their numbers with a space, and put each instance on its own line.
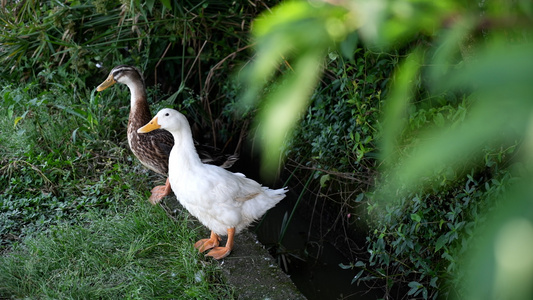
column 223, row 201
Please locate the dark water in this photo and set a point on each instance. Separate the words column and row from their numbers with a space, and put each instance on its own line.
column 311, row 261
column 312, row 264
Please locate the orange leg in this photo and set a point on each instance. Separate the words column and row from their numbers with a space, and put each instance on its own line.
column 159, row 192
column 221, row 252
column 206, row 244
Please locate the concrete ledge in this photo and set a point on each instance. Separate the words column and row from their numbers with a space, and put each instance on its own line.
column 254, row 273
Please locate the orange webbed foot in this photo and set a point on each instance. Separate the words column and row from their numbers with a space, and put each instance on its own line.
column 159, row 192
column 206, row 244
column 219, row 252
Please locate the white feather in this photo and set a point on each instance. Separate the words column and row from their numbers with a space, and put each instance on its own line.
column 219, row 199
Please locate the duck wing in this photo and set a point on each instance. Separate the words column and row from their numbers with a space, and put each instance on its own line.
column 152, row 149
column 213, row 156
column 162, row 141
column 245, row 188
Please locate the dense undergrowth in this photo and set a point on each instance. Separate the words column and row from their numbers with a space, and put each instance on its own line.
column 415, row 244
column 66, row 170
column 449, row 135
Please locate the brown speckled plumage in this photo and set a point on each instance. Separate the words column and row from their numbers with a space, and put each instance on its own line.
column 152, row 149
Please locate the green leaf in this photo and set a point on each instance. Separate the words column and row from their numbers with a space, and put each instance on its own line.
column 166, row 4
column 397, row 104
column 150, row 5
column 349, row 45
column 441, row 241
column 357, row 276
column 324, row 179
column 277, row 120
column 416, row 218
column 433, row 282
column 360, row 197
column 345, row 267
column 415, row 286
column 360, row 264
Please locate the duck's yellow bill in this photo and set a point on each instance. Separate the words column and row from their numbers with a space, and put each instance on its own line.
column 107, row 83
column 153, row 125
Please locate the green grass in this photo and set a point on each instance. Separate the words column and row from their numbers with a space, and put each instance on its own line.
column 138, row 253
column 75, row 222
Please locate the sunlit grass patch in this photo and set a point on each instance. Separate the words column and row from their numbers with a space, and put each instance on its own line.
column 139, row 253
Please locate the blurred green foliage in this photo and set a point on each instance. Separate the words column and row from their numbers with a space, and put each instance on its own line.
column 453, row 132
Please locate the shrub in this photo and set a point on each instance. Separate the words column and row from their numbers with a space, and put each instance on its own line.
column 339, row 130
column 419, row 241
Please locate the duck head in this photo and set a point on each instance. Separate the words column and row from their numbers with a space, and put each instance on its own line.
column 125, row 74
column 168, row 119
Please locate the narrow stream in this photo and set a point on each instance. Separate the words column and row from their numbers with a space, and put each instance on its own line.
column 311, row 261
column 312, row 265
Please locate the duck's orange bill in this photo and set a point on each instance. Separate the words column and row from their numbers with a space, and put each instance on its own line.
column 153, row 125
column 107, row 83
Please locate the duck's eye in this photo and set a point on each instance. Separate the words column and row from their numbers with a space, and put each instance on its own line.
column 167, row 114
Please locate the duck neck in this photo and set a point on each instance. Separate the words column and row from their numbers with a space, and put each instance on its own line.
column 184, row 152
column 140, row 111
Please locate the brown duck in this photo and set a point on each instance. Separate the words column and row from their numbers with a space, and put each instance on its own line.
column 152, row 149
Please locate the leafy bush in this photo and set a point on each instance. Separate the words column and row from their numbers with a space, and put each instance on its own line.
column 192, row 42
column 419, row 240
column 457, row 111
column 338, row 131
